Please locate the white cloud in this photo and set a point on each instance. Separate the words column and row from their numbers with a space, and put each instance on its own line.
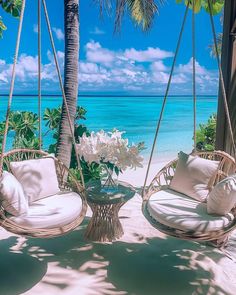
column 188, row 68
column 88, row 67
column 3, row 78
column 148, row 55
column 27, row 71
column 95, row 53
column 97, row 31
column 158, row 66
column 59, row 34
column 106, row 70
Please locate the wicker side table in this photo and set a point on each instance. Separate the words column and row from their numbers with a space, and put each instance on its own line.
column 105, row 226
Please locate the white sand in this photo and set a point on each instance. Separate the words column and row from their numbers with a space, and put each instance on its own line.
column 142, row 262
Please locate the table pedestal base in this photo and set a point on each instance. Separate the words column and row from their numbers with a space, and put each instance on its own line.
column 104, row 226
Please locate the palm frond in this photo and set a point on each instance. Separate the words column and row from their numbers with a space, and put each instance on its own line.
column 219, row 45
column 141, row 11
column 104, row 5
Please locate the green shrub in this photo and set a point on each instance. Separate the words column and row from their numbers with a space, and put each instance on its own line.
column 206, row 135
column 23, row 127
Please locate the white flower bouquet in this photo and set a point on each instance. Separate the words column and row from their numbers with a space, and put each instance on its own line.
column 111, row 150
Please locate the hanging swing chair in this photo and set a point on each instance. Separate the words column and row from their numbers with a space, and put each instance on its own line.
column 171, row 210
column 48, row 215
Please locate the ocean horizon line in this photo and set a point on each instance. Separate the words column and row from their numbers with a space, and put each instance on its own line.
column 109, row 95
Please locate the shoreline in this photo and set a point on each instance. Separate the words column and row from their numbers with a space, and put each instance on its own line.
column 137, row 177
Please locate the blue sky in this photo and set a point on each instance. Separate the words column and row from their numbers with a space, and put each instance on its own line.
column 130, row 62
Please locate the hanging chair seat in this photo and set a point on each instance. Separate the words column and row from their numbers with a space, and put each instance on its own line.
column 54, row 211
column 179, row 216
column 51, row 216
column 180, row 212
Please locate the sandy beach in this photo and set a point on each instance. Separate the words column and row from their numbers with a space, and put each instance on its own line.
column 144, row 261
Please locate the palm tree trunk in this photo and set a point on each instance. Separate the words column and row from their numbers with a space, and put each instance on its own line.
column 71, row 25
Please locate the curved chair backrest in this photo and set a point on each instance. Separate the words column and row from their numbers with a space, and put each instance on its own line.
column 65, row 178
column 227, row 166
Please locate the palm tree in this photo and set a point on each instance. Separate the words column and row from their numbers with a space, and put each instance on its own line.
column 142, row 12
column 71, row 25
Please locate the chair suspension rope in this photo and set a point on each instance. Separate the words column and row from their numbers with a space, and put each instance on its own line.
column 194, row 77
column 39, row 76
column 62, row 90
column 12, row 84
column 222, row 84
column 166, row 95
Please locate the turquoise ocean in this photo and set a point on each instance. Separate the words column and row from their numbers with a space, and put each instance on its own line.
column 137, row 116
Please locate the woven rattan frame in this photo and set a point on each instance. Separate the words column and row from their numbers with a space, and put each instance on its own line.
column 162, row 180
column 63, row 174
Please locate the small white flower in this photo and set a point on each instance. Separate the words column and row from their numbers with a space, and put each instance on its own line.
column 109, row 147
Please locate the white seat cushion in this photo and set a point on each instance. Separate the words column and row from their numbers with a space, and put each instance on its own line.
column 51, row 212
column 37, row 176
column 12, row 196
column 193, row 176
column 178, row 211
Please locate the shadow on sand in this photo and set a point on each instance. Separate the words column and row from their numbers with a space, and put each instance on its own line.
column 20, row 271
column 146, row 267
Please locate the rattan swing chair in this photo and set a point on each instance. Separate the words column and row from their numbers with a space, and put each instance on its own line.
column 163, row 178
column 66, row 180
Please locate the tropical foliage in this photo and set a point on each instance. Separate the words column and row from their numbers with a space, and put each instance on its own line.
column 216, row 5
column 10, row 6
column 212, row 47
column 23, row 132
column 142, row 12
column 206, row 135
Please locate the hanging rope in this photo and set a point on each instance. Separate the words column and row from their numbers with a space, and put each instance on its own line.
column 166, row 95
column 194, row 77
column 12, row 84
column 39, row 75
column 222, row 84
column 62, row 90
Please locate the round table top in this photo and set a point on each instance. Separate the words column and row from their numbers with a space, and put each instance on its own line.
column 97, row 194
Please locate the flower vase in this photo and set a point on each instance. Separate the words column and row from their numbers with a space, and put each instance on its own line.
column 108, row 182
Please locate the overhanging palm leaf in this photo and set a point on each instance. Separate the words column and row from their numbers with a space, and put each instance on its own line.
column 141, row 11
column 10, row 6
column 219, row 38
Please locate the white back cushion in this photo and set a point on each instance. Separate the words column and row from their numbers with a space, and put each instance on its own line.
column 193, row 176
column 222, row 198
column 12, row 195
column 38, row 177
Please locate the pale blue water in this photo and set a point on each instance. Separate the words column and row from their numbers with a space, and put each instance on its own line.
column 135, row 115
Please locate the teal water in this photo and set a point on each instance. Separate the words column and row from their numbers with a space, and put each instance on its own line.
column 135, row 115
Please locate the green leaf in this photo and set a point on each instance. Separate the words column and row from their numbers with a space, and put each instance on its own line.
column 206, row 134
column 197, row 5
column 12, row 6
column 142, row 12
column 52, row 117
column 117, row 171
column 2, row 27
column 216, row 6
column 80, row 130
column 80, row 113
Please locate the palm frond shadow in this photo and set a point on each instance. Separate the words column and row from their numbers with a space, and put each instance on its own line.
column 148, row 266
